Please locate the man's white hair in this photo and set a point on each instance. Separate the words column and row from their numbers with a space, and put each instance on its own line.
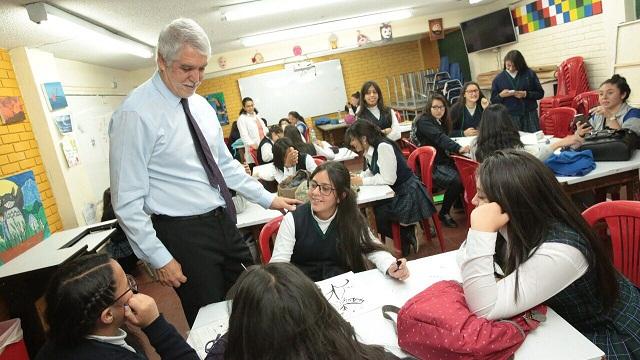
column 178, row 33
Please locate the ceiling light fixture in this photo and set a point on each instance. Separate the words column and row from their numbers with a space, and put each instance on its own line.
column 264, row 8
column 59, row 20
column 471, row 2
column 325, row 27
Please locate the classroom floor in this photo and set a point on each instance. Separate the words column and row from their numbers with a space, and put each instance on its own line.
column 169, row 303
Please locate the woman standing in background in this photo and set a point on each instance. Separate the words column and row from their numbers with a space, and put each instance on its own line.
column 372, row 109
column 252, row 129
column 518, row 88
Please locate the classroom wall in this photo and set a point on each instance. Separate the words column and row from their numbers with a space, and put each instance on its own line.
column 358, row 66
column 19, row 150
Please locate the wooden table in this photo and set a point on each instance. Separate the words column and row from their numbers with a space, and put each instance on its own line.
column 554, row 339
column 333, row 133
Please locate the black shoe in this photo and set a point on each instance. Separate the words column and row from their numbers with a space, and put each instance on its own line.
column 408, row 242
column 447, row 220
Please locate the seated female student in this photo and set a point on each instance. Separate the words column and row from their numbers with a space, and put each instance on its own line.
column 372, row 109
column 265, row 149
column 287, row 160
column 328, row 235
column 466, row 113
column 352, row 105
column 297, row 120
column 317, row 148
column 385, row 165
column 518, row 88
column 498, row 132
column 286, row 317
column 432, row 129
column 546, row 253
column 88, row 301
column 613, row 111
column 251, row 126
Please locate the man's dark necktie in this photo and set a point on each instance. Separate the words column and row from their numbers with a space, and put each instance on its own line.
column 208, row 162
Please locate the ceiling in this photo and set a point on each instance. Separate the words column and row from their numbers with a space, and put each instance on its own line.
column 143, row 19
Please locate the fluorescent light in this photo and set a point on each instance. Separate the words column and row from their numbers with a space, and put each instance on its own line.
column 263, row 8
column 64, row 23
column 471, row 2
column 325, row 27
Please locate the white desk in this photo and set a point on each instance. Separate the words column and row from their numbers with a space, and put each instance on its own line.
column 554, row 339
column 405, row 126
column 267, row 172
column 605, row 168
column 51, row 251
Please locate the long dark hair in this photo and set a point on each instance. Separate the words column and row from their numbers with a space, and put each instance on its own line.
column 77, row 294
column 621, row 83
column 497, row 131
column 363, row 103
column 445, row 120
column 529, row 193
column 278, row 313
column 274, row 129
column 296, row 115
column 244, row 101
column 462, row 101
column 280, row 150
column 355, row 239
column 517, row 60
column 292, row 133
column 365, row 128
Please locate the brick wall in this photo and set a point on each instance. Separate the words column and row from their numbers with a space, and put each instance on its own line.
column 19, row 149
column 358, row 66
column 584, row 37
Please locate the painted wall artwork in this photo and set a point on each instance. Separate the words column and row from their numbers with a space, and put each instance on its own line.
column 542, row 14
column 23, row 222
column 55, row 95
column 63, row 123
column 217, row 102
column 11, row 109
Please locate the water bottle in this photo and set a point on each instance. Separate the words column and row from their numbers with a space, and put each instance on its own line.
column 313, row 136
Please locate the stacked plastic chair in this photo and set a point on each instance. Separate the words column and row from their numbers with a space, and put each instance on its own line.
column 572, row 80
column 585, row 102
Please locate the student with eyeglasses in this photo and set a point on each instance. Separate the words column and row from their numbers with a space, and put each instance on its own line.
column 89, row 300
column 466, row 113
column 432, row 129
column 328, row 235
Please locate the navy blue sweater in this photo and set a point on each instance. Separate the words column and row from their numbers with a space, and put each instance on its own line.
column 525, row 80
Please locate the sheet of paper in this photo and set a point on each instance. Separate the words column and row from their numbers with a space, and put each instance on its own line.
column 348, row 295
column 198, row 338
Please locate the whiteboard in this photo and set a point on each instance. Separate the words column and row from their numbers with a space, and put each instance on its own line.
column 90, row 116
column 627, row 61
column 318, row 90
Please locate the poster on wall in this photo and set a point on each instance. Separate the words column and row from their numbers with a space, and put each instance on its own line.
column 70, row 150
column 542, row 14
column 11, row 110
column 23, row 221
column 55, row 95
column 63, row 123
column 436, row 30
column 217, row 102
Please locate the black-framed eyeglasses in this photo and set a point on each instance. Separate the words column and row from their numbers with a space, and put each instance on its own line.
column 325, row 189
column 133, row 287
column 436, row 107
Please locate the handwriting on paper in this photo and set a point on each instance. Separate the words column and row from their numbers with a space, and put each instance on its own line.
column 347, row 295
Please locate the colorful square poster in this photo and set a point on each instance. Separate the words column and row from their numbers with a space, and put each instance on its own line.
column 23, row 221
column 11, row 109
column 55, row 95
column 217, row 102
column 70, row 150
column 63, row 123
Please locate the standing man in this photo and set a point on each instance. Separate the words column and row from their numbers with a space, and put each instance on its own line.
column 169, row 174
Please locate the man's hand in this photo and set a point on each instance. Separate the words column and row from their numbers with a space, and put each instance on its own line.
column 171, row 274
column 488, row 217
column 282, row 203
column 247, row 169
column 470, row 132
column 142, row 310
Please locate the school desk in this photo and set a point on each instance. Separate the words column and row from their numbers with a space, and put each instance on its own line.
column 267, row 172
column 555, row 339
column 24, row 278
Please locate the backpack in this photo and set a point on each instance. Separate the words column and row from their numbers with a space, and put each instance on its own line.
column 437, row 324
column 571, row 163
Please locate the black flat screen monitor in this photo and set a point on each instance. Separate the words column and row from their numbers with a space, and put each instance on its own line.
column 488, row 31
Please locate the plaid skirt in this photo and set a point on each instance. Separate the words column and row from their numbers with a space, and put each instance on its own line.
column 411, row 202
column 444, row 175
column 529, row 122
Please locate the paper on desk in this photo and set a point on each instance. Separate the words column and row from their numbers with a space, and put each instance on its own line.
column 349, row 296
column 198, row 338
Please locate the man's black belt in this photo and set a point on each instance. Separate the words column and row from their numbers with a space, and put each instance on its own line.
column 215, row 212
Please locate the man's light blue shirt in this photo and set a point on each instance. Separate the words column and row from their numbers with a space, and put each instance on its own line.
column 154, row 167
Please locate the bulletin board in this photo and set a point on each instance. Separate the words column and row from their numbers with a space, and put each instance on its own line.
column 314, row 90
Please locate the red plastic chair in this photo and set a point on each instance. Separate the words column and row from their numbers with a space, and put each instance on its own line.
column 319, row 159
column 557, row 121
column 585, row 102
column 623, row 219
column 572, row 77
column 406, row 147
column 467, row 170
column 254, row 155
column 423, row 157
column 267, row 236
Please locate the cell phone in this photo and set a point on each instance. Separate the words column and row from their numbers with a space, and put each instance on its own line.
column 578, row 120
column 512, row 91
